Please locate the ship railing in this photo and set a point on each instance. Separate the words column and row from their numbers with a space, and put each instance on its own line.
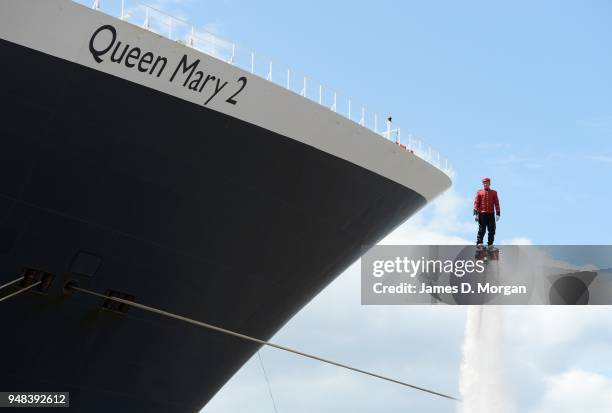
column 204, row 40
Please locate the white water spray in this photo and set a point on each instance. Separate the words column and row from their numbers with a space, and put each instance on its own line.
column 481, row 383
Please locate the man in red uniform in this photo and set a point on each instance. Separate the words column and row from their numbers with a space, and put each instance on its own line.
column 485, row 205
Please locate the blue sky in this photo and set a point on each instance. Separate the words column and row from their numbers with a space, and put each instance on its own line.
column 517, row 91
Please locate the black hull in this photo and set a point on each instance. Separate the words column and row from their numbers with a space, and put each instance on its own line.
column 189, row 209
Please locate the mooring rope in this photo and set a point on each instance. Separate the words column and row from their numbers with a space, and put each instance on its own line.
column 12, row 282
column 267, row 381
column 255, row 340
column 20, row 291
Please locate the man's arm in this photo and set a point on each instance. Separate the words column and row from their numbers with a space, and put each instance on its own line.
column 497, row 204
column 476, row 204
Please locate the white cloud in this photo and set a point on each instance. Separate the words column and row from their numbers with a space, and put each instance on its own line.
column 165, row 17
column 600, row 158
column 209, row 43
column 545, row 340
column 491, row 145
column 577, row 391
column 168, row 18
column 536, row 329
column 440, row 228
column 517, row 241
column 531, row 162
column 213, row 27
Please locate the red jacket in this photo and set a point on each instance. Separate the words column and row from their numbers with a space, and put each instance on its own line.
column 486, row 201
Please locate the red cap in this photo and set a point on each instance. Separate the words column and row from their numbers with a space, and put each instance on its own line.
column 486, row 180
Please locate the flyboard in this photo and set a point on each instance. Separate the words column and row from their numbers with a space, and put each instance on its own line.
column 487, row 254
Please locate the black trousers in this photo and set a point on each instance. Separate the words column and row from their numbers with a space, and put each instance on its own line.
column 486, row 222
